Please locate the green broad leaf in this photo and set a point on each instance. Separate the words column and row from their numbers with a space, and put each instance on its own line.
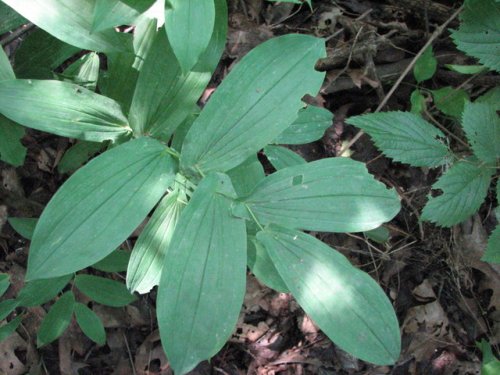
column 425, row 67
column 203, row 280
column 492, row 97
column 309, row 126
column 380, row 234
column 254, row 103
column 328, row 195
column 481, row 124
column 4, row 283
column 9, row 328
column 144, row 36
column 467, row 69
column 57, row 320
column 104, row 291
column 25, row 226
column 39, row 54
column 464, row 187
column 182, row 130
column 404, row 137
column 83, row 72
column 418, row 102
column 12, row 150
column 346, row 303
column 63, row 109
column 189, row 25
column 6, row 307
column 10, row 19
column 110, row 13
column 77, row 155
column 490, row 365
column 282, row 157
column 71, row 22
column 6, row 71
column 246, row 176
column 492, row 253
column 99, row 206
column 479, row 32
column 263, row 268
column 90, row 323
column 450, row 101
column 148, row 255
column 38, row 292
column 117, row 261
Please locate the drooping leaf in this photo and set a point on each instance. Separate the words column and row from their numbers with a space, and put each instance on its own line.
column 309, row 126
column 104, row 291
column 481, row 124
column 256, row 102
column 57, row 319
column 71, row 22
column 492, row 253
column 64, row 109
column 25, row 226
column 404, row 137
column 425, row 67
column 9, row 19
column 189, row 25
column 99, row 206
column 12, row 150
column 9, row 328
column 148, row 255
column 90, row 323
column 282, row 157
column 329, row 195
column 479, row 32
column 37, row 292
column 203, row 280
column 6, row 71
column 77, row 155
column 246, row 176
column 4, row 283
column 84, row 71
column 417, row 101
column 450, row 101
column 464, row 187
column 6, row 307
column 117, row 261
column 346, row 303
column 110, row 13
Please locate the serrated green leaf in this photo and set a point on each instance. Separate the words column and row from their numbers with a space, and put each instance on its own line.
column 481, row 124
column 417, row 101
column 450, row 101
column 37, row 292
column 99, row 206
column 246, row 176
column 9, row 18
column 404, row 137
column 329, row 195
column 464, row 187
column 254, row 103
column 479, row 32
column 346, row 303
column 110, row 13
column 39, row 54
column 77, row 155
column 6, row 307
column 117, row 261
column 84, row 71
column 282, row 157
column 71, row 22
column 263, row 268
column 309, row 126
column 57, row 320
column 492, row 97
column 492, row 253
column 6, row 71
column 104, row 291
column 12, row 150
column 4, row 283
column 203, row 280
column 148, row 255
column 189, row 25
column 25, row 226
column 466, row 69
column 9, row 328
column 90, row 323
column 425, row 67
column 63, row 109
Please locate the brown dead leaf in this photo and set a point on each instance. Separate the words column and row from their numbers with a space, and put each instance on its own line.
column 9, row 362
column 151, row 350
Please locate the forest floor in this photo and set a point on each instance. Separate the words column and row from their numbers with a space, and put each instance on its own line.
column 446, row 299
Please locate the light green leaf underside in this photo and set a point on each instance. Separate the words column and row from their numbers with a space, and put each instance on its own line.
column 404, row 137
column 282, row 157
column 481, row 124
column 203, row 281
column 479, row 32
column 99, row 206
column 346, row 303
column 464, row 187
column 246, row 176
column 63, row 109
column 330, row 195
column 57, row 319
column 256, row 102
column 492, row 254
column 189, row 25
column 37, row 292
column 71, row 22
column 425, row 67
column 450, row 101
column 25, row 226
column 262, row 266
column 90, row 323
column 77, row 155
column 117, row 261
column 12, row 150
column 104, row 291
column 148, row 255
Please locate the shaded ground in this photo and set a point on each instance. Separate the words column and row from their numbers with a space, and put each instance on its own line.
column 445, row 297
